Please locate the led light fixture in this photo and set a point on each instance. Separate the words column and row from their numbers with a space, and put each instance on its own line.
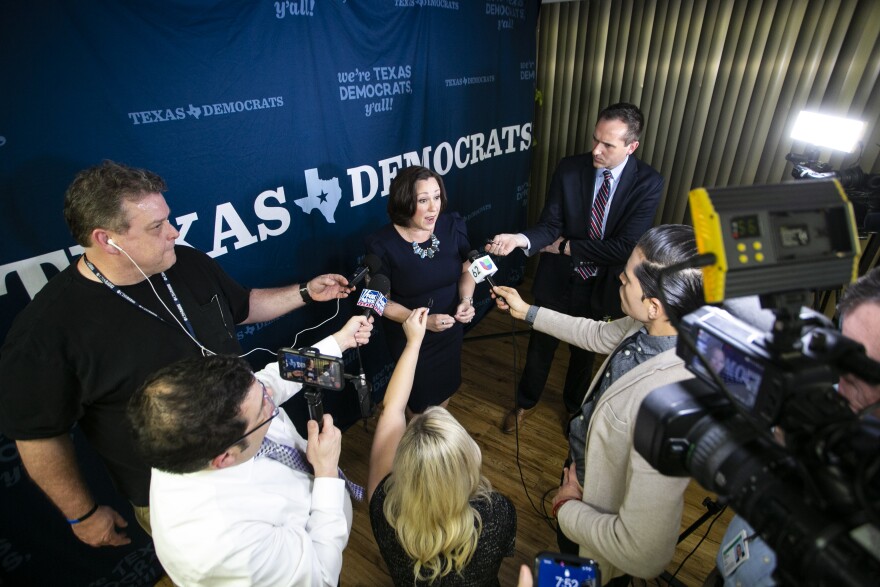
column 832, row 132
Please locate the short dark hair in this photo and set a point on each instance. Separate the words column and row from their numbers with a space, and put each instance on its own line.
column 663, row 246
column 866, row 289
column 189, row 412
column 402, row 196
column 94, row 199
column 629, row 114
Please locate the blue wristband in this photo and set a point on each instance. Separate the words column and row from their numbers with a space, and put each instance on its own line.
column 84, row 517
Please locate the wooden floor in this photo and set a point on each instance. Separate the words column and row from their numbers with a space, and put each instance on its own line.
column 524, row 470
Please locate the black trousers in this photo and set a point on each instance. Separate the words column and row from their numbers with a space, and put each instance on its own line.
column 542, row 350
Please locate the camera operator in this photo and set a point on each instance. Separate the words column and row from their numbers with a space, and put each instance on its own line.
column 859, row 311
column 627, row 515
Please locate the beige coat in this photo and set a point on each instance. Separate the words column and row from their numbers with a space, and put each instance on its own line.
column 630, row 515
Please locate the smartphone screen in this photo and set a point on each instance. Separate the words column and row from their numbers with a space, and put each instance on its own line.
column 553, row 569
column 310, row 368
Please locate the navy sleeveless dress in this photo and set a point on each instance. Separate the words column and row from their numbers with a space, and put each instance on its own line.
column 417, row 282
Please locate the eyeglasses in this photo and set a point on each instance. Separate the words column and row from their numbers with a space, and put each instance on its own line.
column 275, row 411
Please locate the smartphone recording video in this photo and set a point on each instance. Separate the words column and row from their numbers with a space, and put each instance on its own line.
column 309, row 367
column 553, row 569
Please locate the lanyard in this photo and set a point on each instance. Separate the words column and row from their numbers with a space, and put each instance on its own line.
column 115, row 289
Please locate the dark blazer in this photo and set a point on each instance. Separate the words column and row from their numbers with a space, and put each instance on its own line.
column 566, row 213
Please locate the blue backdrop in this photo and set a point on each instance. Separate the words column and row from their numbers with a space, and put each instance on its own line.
column 278, row 127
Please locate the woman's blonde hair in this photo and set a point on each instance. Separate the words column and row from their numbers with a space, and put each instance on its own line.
column 435, row 474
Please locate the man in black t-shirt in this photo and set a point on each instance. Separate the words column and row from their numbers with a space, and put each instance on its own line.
column 134, row 302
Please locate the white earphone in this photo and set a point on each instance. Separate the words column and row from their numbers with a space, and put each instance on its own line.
column 205, row 350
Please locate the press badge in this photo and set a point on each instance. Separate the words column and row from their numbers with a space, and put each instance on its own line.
column 735, row 553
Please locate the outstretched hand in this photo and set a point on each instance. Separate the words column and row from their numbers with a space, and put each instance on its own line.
column 504, row 244
column 355, row 332
column 508, row 299
column 525, row 577
column 328, row 287
column 415, row 324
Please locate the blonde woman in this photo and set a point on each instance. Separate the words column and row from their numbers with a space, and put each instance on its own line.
column 435, row 517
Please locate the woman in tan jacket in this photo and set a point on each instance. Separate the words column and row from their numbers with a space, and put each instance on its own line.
column 612, row 504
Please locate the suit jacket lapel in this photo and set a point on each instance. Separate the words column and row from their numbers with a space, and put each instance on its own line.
column 588, row 183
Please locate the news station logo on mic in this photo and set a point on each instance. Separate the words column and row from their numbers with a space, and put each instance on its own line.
column 374, row 300
column 482, row 268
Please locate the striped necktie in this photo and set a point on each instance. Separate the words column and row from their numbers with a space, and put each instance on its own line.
column 597, row 216
column 296, row 459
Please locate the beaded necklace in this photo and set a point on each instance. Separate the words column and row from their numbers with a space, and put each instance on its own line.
column 430, row 251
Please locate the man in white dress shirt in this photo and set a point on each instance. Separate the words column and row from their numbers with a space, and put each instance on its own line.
column 221, row 513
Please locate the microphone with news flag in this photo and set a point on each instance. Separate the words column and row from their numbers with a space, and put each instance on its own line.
column 483, row 268
column 375, row 298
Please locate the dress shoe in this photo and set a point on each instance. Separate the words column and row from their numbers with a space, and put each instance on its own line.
column 515, row 418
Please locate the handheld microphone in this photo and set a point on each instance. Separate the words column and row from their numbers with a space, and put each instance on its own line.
column 483, row 268
column 364, row 393
column 374, row 300
column 370, row 265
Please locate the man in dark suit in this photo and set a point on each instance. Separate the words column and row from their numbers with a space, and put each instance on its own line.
column 598, row 206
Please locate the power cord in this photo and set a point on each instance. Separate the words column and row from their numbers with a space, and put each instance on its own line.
column 293, row 345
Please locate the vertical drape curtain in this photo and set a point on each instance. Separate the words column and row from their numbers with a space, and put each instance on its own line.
column 720, row 82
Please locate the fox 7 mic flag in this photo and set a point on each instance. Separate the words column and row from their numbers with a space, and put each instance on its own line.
column 374, row 300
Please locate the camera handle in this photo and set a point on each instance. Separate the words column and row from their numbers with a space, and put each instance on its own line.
column 315, row 400
column 845, row 355
column 788, row 327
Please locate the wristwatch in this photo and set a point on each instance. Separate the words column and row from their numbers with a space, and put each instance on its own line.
column 304, row 293
column 562, row 244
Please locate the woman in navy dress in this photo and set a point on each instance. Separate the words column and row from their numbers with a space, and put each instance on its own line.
column 424, row 255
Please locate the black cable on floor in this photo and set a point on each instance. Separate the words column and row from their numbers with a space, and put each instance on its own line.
column 694, row 549
column 543, row 513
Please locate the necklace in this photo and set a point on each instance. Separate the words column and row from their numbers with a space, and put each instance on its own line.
column 430, row 251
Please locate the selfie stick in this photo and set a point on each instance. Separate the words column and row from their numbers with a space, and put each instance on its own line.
column 315, row 400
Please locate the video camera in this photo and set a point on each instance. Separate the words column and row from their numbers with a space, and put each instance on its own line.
column 812, row 496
